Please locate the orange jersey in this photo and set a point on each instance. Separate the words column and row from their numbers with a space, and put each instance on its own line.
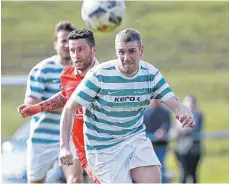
column 69, row 82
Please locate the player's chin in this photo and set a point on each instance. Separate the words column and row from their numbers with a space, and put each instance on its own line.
column 66, row 56
column 80, row 67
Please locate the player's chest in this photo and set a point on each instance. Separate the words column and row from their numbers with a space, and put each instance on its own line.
column 70, row 86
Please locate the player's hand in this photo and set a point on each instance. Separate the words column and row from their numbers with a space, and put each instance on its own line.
column 66, row 157
column 28, row 110
column 186, row 121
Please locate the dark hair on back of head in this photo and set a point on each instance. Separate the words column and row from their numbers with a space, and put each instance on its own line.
column 64, row 25
column 83, row 34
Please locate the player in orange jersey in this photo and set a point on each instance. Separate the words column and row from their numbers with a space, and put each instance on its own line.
column 82, row 50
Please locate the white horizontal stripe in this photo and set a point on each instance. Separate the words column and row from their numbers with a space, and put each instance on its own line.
column 49, row 126
column 112, row 127
column 114, row 119
column 53, row 66
column 47, row 94
column 34, row 94
column 53, row 116
column 157, row 78
column 167, row 96
column 119, row 109
column 52, row 76
column 35, row 84
column 53, row 85
column 79, row 100
column 46, row 136
column 131, row 85
column 117, row 138
column 89, row 91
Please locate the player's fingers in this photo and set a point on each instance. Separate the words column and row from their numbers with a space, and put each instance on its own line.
column 25, row 110
column 190, row 123
column 21, row 107
column 178, row 116
column 182, row 118
column 193, row 124
column 185, row 121
column 61, row 160
column 69, row 160
column 66, row 160
column 24, row 114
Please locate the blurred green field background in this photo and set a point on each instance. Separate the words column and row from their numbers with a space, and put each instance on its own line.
column 187, row 41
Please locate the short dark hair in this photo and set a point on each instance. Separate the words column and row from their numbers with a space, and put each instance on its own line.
column 81, row 34
column 128, row 35
column 64, row 25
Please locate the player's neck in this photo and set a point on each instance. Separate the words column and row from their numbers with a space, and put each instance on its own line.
column 82, row 73
column 124, row 72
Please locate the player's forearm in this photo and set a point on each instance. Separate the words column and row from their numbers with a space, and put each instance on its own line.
column 55, row 102
column 66, row 121
column 175, row 105
column 66, row 126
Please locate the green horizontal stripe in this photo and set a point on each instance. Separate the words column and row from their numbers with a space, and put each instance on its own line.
column 117, row 124
column 91, row 86
column 163, row 93
column 118, row 114
column 111, row 132
column 119, row 79
column 85, row 96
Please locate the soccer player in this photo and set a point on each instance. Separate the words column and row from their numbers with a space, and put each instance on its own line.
column 82, row 51
column 114, row 95
column 43, row 143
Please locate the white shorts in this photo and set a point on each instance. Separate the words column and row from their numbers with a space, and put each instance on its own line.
column 114, row 165
column 40, row 158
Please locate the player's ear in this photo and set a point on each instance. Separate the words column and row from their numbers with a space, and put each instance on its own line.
column 94, row 50
column 141, row 51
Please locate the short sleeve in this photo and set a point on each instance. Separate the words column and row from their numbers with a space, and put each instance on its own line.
column 36, row 83
column 87, row 90
column 161, row 89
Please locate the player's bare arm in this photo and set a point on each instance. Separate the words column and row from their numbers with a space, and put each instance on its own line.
column 31, row 100
column 55, row 102
column 66, row 121
column 184, row 115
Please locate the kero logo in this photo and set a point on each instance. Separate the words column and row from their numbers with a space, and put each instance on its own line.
column 127, row 99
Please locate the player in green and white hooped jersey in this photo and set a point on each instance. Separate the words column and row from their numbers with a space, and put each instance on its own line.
column 114, row 96
column 44, row 140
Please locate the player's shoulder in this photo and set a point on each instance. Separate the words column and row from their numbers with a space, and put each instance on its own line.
column 147, row 67
column 68, row 70
column 105, row 66
column 49, row 62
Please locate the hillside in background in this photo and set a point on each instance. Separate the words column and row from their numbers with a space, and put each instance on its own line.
column 175, row 34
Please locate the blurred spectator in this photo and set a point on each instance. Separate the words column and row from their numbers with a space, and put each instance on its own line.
column 188, row 147
column 157, row 120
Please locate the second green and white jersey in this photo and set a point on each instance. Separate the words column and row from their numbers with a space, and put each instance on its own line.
column 114, row 104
